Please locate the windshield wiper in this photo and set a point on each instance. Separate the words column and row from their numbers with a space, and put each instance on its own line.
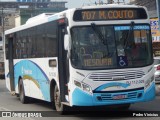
column 100, row 36
column 129, row 34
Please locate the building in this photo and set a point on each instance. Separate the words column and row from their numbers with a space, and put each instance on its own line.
column 152, row 8
column 150, row 4
column 8, row 21
column 14, row 13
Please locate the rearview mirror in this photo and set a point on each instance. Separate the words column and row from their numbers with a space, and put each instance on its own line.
column 66, row 42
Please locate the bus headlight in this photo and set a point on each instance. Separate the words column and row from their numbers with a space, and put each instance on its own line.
column 78, row 84
column 83, row 86
column 86, row 88
column 147, row 83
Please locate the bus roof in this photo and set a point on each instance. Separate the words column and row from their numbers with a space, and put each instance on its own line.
column 46, row 17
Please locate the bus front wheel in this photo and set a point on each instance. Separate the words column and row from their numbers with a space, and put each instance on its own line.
column 22, row 96
column 57, row 101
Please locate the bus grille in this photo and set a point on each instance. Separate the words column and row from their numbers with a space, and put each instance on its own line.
column 116, row 75
column 129, row 95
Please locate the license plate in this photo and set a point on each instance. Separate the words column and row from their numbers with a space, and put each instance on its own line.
column 119, row 97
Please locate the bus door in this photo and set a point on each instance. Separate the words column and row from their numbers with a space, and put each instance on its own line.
column 11, row 64
column 63, row 63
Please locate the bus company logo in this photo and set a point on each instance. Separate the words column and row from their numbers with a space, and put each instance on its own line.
column 28, row 72
column 112, row 84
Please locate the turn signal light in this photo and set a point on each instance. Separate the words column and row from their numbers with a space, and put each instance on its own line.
column 158, row 67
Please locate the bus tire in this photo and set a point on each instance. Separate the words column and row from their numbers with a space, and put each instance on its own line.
column 22, row 97
column 61, row 108
column 52, row 95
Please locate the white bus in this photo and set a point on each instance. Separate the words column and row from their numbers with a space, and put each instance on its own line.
column 89, row 56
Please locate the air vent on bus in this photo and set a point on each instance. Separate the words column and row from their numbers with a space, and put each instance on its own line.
column 128, row 95
column 116, row 75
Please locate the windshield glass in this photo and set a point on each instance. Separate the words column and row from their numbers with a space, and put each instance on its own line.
column 111, row 46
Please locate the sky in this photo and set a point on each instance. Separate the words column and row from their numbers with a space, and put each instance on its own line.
column 77, row 3
column 80, row 3
column 70, row 4
column 74, row 3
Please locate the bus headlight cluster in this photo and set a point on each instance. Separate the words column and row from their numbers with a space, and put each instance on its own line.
column 147, row 83
column 83, row 86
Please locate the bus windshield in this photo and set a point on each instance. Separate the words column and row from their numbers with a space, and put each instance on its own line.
column 110, row 47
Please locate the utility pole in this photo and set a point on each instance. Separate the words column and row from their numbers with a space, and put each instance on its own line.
column 2, row 26
column 158, row 11
column 4, row 12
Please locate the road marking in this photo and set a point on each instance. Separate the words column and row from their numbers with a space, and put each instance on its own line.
column 4, row 109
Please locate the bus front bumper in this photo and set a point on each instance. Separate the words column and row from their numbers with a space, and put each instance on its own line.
column 81, row 98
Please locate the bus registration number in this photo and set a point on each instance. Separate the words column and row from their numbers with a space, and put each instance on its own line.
column 119, row 97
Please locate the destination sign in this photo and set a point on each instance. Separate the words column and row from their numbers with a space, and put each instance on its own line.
column 109, row 14
column 98, row 62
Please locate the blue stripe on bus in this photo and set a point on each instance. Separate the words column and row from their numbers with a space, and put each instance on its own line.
column 81, row 98
column 41, row 71
column 31, row 69
column 112, row 84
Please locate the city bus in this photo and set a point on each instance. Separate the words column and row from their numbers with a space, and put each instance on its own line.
column 90, row 56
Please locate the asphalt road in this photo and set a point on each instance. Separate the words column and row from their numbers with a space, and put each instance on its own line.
column 12, row 103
